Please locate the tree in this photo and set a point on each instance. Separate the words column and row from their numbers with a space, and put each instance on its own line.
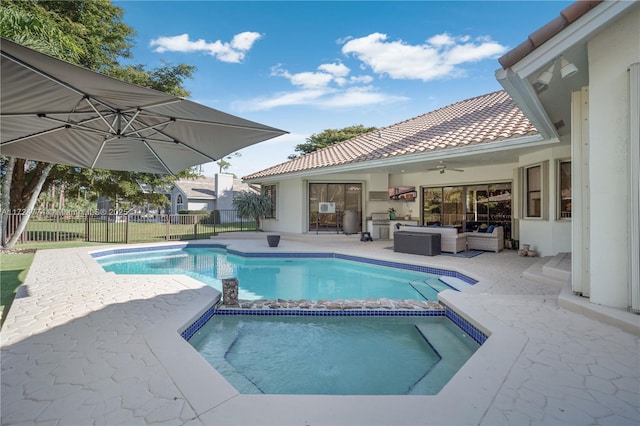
column 224, row 164
column 91, row 34
column 252, row 205
column 329, row 137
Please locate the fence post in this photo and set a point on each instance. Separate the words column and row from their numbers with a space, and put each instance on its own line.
column 86, row 228
column 195, row 230
column 126, row 230
column 57, row 238
column 168, row 227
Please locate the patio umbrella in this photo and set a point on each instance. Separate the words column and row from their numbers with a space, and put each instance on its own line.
column 61, row 113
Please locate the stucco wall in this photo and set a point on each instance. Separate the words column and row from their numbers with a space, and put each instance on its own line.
column 200, row 205
column 610, row 54
column 548, row 235
column 291, row 208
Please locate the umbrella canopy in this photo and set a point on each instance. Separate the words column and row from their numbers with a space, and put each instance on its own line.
column 61, row 113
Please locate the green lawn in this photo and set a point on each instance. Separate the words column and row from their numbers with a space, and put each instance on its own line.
column 13, row 271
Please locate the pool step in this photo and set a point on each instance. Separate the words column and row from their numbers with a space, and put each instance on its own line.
column 453, row 352
column 427, row 291
column 430, row 288
column 455, row 283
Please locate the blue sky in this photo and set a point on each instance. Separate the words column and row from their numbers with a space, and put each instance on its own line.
column 308, row 66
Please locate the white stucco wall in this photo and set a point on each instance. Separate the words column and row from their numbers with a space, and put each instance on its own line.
column 548, row 235
column 610, row 54
column 200, row 205
column 291, row 209
column 224, row 191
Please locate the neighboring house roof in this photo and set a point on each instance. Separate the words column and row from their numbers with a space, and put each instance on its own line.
column 240, row 186
column 538, row 37
column 483, row 119
column 148, row 189
column 198, row 189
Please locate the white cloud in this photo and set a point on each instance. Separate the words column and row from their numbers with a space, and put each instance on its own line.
column 307, row 80
column 323, row 77
column 329, row 86
column 439, row 57
column 301, row 97
column 327, row 98
column 336, row 69
column 356, row 97
column 233, row 51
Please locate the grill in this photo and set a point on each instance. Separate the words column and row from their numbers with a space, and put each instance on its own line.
column 378, row 226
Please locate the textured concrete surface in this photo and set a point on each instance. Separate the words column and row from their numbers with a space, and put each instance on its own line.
column 81, row 346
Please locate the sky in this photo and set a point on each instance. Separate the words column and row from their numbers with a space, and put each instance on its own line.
column 307, row 66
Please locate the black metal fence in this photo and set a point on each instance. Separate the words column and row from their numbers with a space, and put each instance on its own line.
column 53, row 226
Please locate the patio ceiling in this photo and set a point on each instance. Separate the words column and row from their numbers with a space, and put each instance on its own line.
column 549, row 108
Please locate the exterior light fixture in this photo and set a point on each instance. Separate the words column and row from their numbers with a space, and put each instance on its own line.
column 545, row 77
column 567, row 69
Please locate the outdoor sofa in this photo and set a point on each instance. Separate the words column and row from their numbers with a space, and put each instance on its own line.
column 453, row 242
column 491, row 240
column 450, row 240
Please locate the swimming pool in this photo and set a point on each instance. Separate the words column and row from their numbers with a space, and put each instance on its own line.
column 292, row 277
column 334, row 355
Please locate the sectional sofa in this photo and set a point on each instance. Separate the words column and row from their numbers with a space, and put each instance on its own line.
column 453, row 242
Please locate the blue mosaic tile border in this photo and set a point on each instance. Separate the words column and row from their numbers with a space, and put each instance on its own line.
column 415, row 268
column 377, row 262
column 199, row 323
column 465, row 325
column 477, row 335
column 332, row 313
column 149, row 249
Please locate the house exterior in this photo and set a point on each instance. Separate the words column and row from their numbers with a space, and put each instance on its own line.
column 554, row 157
column 596, row 111
column 206, row 193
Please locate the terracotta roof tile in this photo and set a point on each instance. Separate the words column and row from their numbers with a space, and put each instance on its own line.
column 544, row 33
column 479, row 120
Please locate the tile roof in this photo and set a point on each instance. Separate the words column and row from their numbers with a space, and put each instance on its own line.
column 569, row 15
column 202, row 188
column 483, row 119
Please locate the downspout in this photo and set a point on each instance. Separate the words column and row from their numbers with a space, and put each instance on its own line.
column 634, row 186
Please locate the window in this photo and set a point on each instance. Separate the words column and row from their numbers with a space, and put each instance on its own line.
column 179, row 203
column 270, row 191
column 534, row 191
column 564, row 172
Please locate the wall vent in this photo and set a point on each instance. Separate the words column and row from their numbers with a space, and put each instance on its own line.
column 378, row 196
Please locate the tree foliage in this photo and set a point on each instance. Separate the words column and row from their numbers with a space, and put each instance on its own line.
column 329, row 137
column 252, row 205
column 89, row 33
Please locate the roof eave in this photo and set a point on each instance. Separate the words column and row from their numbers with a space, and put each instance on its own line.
column 445, row 154
column 515, row 77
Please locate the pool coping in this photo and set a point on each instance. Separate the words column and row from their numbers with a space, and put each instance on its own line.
column 214, row 400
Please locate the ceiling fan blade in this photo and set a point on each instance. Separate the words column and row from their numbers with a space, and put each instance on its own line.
column 455, row 170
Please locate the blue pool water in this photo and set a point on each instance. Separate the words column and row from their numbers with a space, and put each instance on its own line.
column 334, row 355
column 280, row 278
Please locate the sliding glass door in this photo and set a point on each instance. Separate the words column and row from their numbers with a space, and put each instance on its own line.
column 343, row 196
column 466, row 207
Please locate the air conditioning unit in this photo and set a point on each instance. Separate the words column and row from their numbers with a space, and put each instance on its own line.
column 327, row 207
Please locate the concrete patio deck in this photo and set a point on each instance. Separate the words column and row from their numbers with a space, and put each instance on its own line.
column 81, row 346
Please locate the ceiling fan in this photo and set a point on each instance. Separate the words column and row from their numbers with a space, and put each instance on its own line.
column 442, row 167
